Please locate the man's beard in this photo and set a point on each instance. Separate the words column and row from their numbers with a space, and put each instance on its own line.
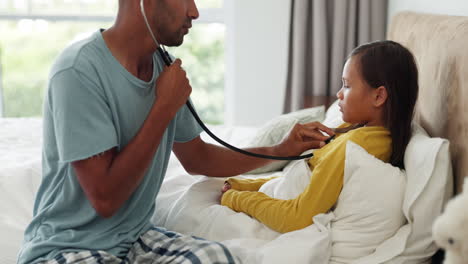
column 176, row 41
column 177, row 38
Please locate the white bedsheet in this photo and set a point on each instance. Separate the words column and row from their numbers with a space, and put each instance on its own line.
column 187, row 204
column 20, row 170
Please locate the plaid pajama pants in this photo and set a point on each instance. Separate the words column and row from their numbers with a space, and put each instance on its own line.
column 157, row 246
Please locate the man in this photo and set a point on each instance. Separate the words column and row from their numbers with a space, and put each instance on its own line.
column 112, row 115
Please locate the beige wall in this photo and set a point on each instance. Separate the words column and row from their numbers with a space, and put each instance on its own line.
column 256, row 59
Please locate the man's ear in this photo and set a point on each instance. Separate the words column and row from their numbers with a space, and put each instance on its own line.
column 380, row 96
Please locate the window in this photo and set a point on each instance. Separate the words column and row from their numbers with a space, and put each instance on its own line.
column 35, row 31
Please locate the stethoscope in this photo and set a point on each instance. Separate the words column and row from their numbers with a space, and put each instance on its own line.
column 168, row 61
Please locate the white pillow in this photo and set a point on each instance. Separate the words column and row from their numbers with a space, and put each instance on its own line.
column 431, row 180
column 368, row 210
column 333, row 117
column 275, row 130
column 429, row 187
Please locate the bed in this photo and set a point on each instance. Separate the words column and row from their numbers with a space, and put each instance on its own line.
column 190, row 203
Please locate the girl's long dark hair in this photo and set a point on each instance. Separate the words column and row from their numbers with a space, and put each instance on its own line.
column 389, row 64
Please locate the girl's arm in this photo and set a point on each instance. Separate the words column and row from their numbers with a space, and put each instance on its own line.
column 247, row 184
column 289, row 215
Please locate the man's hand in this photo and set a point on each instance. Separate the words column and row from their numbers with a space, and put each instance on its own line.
column 173, row 87
column 304, row 137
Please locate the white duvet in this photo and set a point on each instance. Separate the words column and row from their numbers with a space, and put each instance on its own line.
column 190, row 204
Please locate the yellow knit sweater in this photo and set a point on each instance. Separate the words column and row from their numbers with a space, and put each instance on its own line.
column 321, row 193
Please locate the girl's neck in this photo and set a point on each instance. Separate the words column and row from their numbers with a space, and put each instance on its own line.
column 374, row 123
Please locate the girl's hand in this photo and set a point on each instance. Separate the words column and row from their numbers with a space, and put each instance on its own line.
column 226, row 187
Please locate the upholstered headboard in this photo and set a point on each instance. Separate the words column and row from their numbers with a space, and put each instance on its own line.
column 440, row 44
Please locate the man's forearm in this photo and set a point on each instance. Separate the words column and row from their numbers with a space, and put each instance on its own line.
column 129, row 166
column 198, row 157
column 222, row 162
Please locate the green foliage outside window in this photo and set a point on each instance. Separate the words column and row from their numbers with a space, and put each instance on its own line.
column 202, row 56
column 29, row 47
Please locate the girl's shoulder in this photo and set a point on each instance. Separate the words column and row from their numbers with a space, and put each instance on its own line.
column 347, row 130
column 370, row 136
column 369, row 131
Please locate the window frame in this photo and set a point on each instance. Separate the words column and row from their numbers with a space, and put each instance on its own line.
column 207, row 16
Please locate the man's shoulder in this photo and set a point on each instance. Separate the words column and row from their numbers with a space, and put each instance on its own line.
column 79, row 55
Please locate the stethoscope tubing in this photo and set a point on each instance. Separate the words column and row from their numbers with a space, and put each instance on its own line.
column 168, row 61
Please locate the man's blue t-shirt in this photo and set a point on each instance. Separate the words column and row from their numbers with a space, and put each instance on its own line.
column 94, row 104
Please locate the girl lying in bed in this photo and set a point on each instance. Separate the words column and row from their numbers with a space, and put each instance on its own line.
column 377, row 99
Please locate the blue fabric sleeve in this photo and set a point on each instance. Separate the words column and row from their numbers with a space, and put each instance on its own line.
column 187, row 127
column 83, row 120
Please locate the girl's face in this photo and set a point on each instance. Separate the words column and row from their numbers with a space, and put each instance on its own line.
column 358, row 102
